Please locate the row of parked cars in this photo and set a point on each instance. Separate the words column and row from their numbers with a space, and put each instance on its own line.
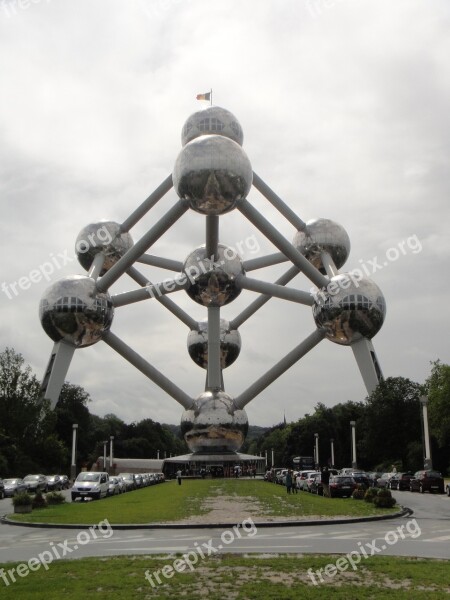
column 344, row 482
column 33, row 483
column 96, row 485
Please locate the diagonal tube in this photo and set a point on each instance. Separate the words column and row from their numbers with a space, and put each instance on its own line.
column 282, row 244
column 147, row 369
column 142, row 245
column 160, row 262
column 283, row 365
column 272, row 289
column 264, row 261
column 143, row 209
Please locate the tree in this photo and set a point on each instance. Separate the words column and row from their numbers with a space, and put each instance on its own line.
column 437, row 387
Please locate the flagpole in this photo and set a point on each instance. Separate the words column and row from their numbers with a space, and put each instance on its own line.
column 210, row 98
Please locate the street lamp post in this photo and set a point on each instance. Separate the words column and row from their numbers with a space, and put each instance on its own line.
column 273, row 459
column 316, row 436
column 427, row 462
column 353, row 426
column 265, row 453
column 105, row 443
column 332, row 452
column 157, row 454
column 73, row 465
column 111, row 442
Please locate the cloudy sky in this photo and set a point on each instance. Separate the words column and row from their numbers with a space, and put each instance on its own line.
column 344, row 106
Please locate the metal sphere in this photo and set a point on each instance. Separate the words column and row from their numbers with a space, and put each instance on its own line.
column 213, row 423
column 212, row 121
column 349, row 309
column 106, row 237
column 213, row 283
column 230, row 344
column 212, row 173
column 323, row 235
column 73, row 310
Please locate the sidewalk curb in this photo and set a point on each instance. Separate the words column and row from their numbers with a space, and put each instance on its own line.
column 126, row 527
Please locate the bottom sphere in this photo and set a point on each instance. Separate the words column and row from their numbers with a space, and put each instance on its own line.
column 214, row 424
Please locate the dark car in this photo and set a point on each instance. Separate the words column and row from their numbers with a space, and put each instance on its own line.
column 65, row 482
column 384, row 479
column 36, row 483
column 362, row 479
column 54, row 483
column 400, row 481
column 342, row 485
column 14, row 486
column 2, row 489
column 427, row 481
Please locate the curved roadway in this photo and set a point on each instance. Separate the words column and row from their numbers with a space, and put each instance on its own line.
column 425, row 533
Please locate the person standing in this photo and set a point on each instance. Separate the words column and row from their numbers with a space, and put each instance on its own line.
column 325, row 476
column 289, row 481
column 179, row 476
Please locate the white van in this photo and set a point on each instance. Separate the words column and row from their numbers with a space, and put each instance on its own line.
column 90, row 484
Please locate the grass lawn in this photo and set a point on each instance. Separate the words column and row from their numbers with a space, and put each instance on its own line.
column 171, row 502
column 232, row 577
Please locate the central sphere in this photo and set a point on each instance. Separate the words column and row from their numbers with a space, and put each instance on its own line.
column 212, row 173
column 213, row 282
column 74, row 311
column 230, row 344
column 351, row 308
column 213, row 423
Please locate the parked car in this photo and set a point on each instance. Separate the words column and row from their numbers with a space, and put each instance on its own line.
column 427, row 481
column 54, row 483
column 306, row 483
column 90, row 484
column 36, row 483
column 65, row 482
column 400, row 481
column 2, row 489
column 316, row 486
column 341, row 485
column 129, row 480
column 361, row 479
column 139, row 481
column 114, row 486
column 122, row 484
column 304, row 476
column 13, row 486
column 280, row 477
column 383, row 480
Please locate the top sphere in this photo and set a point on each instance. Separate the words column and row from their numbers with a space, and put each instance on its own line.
column 212, row 120
column 323, row 235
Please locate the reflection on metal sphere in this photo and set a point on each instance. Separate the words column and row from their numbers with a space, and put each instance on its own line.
column 349, row 309
column 214, row 423
column 213, row 173
column 323, row 235
column 212, row 120
column 230, row 344
column 105, row 237
column 73, row 310
column 213, row 282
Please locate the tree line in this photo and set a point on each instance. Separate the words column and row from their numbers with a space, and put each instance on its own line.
column 389, row 428
column 35, row 439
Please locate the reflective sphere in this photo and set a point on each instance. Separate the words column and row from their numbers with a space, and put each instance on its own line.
column 349, row 309
column 323, row 235
column 214, row 423
column 230, row 344
column 73, row 310
column 213, row 283
column 105, row 237
column 212, row 120
column 212, row 173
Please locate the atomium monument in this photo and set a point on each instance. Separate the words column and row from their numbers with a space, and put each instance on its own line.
column 212, row 176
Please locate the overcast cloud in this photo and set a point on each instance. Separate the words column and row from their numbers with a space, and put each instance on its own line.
column 344, row 107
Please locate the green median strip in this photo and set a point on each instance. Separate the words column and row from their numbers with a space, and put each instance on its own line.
column 169, row 503
column 230, row 577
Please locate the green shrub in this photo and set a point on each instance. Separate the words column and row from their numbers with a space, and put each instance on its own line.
column 22, row 499
column 39, row 501
column 384, row 499
column 55, row 498
column 370, row 494
column 359, row 493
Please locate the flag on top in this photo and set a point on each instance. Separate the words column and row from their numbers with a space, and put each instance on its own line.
column 206, row 96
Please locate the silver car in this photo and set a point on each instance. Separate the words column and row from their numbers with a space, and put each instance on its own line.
column 90, row 484
column 14, row 486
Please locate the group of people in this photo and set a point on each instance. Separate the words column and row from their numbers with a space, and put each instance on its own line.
column 293, row 485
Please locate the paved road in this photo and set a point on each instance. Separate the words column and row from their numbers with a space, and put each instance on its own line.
column 426, row 533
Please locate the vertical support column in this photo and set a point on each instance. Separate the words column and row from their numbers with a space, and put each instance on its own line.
column 111, row 457
column 427, row 462
column 332, row 452
column 105, row 443
column 316, row 437
column 353, row 426
column 73, row 464
column 214, row 376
